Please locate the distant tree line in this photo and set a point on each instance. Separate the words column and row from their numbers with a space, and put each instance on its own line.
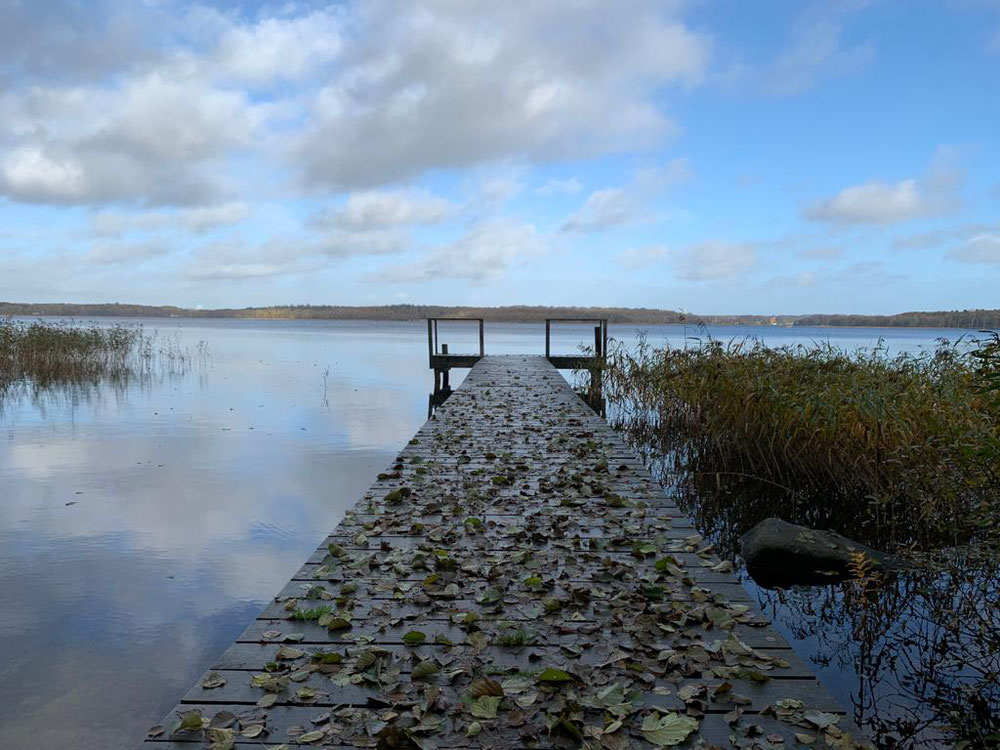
column 975, row 319
column 518, row 313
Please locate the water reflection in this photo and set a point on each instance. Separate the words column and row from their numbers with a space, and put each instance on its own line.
column 916, row 653
column 143, row 528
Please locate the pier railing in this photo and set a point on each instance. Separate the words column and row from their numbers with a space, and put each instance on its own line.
column 441, row 360
column 578, row 361
column 593, row 362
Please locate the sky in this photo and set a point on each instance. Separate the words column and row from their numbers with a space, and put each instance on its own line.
column 713, row 156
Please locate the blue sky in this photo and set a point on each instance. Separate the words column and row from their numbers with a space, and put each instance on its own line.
column 717, row 157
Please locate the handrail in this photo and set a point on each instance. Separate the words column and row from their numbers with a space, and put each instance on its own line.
column 434, row 348
column 600, row 334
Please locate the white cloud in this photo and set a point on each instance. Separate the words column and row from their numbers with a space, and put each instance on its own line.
column 609, row 207
column 280, row 49
column 981, row 248
column 486, row 251
column 234, row 259
column 378, row 209
column 569, row 186
column 616, row 207
column 29, row 173
column 937, row 238
column 240, row 261
column 714, row 260
column 876, row 203
column 497, row 189
column 153, row 138
column 341, row 244
column 458, row 84
column 236, row 271
column 358, row 95
column 879, row 202
column 208, row 217
column 67, row 39
column 200, row 219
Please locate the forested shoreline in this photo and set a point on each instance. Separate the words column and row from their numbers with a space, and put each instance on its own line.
column 971, row 319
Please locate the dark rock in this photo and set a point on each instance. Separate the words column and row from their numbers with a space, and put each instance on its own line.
column 778, row 553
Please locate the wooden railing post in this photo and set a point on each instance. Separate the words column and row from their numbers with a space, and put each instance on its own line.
column 548, row 330
column 430, row 344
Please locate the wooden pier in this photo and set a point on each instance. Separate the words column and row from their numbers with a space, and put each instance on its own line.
column 515, row 579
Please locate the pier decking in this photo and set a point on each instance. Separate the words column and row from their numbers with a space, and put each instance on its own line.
column 515, row 579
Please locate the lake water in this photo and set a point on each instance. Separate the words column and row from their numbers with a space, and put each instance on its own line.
column 141, row 529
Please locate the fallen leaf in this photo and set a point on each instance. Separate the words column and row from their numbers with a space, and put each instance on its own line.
column 485, row 686
column 414, row 638
column 555, row 675
column 310, row 738
column 485, row 707
column 667, row 730
column 213, row 680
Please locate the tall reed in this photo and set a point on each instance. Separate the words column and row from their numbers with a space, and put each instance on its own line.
column 909, row 445
column 38, row 356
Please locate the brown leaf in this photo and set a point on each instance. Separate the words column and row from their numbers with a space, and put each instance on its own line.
column 485, row 686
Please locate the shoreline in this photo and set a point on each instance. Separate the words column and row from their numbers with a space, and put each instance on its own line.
column 518, row 314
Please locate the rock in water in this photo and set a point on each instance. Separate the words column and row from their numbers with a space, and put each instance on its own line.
column 778, row 553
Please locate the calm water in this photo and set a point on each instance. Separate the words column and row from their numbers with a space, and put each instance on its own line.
column 141, row 530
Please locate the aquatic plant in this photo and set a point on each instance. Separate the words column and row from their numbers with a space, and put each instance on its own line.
column 906, row 445
column 42, row 356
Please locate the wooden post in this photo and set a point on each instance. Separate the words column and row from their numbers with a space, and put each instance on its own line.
column 548, row 330
column 445, row 385
column 430, row 343
column 596, row 375
column 482, row 341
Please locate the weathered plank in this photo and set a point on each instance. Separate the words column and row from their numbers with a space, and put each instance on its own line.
column 348, row 727
column 514, row 579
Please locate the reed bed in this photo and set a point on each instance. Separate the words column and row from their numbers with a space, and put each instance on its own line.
column 44, row 356
column 907, row 446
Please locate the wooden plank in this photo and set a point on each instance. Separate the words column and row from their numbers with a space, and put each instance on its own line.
column 256, row 657
column 714, row 730
column 515, row 538
column 718, row 695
